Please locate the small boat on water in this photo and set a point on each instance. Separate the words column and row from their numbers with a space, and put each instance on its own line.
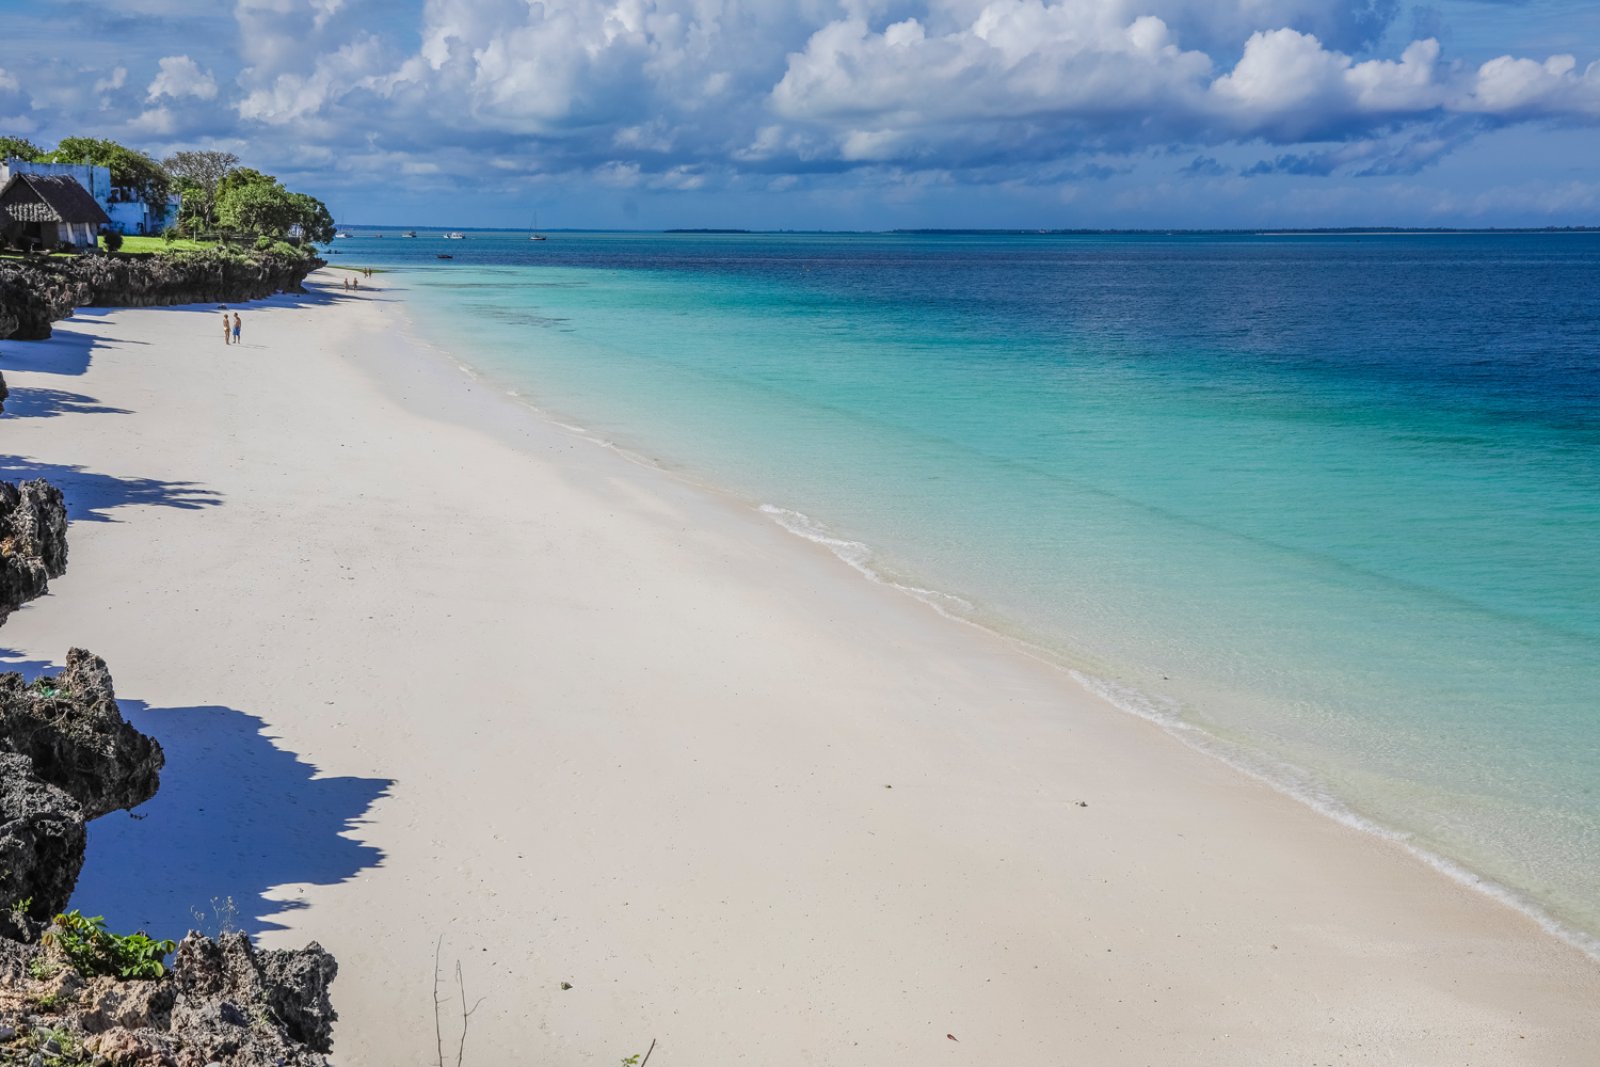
column 411, row 233
column 534, row 234
column 454, row 236
column 342, row 234
column 443, row 255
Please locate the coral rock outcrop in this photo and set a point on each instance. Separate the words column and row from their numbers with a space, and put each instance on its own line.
column 40, row 291
column 221, row 1002
column 33, row 541
column 70, row 727
column 35, row 294
column 41, row 847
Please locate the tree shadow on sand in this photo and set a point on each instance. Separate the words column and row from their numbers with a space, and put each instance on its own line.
column 29, row 403
column 91, row 496
column 236, row 817
column 68, row 350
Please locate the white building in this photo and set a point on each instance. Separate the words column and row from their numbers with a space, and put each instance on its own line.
column 127, row 212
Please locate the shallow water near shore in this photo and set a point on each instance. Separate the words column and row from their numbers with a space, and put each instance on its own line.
column 1333, row 502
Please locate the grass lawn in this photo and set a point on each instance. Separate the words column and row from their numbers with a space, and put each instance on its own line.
column 156, row 244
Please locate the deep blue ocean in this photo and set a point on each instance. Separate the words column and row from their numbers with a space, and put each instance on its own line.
column 1327, row 505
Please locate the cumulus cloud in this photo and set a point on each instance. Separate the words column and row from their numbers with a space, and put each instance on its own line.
column 690, row 94
column 808, row 86
column 181, row 76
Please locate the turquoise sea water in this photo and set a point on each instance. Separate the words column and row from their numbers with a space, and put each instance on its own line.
column 1329, row 504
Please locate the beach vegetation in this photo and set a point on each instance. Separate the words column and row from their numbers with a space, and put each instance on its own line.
column 130, row 168
column 56, row 1046
column 219, row 199
column 95, row 951
column 198, row 175
column 249, row 201
column 20, row 148
column 135, row 244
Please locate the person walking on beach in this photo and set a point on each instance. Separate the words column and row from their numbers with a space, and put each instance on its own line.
column 226, row 330
column 236, row 325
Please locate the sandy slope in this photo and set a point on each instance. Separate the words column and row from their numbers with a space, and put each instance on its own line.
column 428, row 666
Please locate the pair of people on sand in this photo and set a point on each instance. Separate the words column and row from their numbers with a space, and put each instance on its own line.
column 352, row 283
column 230, row 330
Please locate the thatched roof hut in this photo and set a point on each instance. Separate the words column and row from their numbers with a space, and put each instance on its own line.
column 49, row 211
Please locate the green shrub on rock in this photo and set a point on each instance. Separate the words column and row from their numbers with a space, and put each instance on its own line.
column 93, row 950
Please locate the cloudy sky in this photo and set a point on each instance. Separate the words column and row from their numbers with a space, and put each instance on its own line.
column 855, row 114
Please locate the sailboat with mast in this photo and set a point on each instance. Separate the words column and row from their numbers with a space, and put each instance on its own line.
column 534, row 234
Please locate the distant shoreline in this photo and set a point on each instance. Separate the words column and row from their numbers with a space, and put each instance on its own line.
column 1336, row 231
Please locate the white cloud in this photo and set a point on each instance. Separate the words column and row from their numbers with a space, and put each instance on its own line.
column 1508, row 86
column 696, row 94
column 291, row 97
column 157, row 122
column 112, row 82
column 181, row 76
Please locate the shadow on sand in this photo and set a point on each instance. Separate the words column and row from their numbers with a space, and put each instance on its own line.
column 26, row 403
column 91, row 495
column 236, row 817
column 68, row 352
column 13, row 661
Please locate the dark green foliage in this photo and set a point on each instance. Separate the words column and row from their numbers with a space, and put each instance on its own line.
column 92, row 950
column 252, row 202
column 130, row 168
column 20, row 148
column 260, row 207
column 313, row 218
column 113, row 240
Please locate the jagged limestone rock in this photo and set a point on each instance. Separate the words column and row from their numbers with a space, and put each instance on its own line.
column 35, row 294
column 40, row 291
column 41, row 848
column 69, row 725
column 33, row 541
column 220, row 1002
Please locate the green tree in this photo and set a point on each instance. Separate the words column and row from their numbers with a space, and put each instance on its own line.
column 20, row 148
column 239, row 177
column 130, row 169
column 198, row 174
column 313, row 217
column 260, row 207
column 257, row 203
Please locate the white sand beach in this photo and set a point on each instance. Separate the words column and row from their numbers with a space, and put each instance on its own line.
column 428, row 666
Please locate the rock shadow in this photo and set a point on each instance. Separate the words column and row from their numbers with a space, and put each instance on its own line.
column 12, row 660
column 27, row 403
column 316, row 294
column 91, row 495
column 236, row 817
column 66, row 351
